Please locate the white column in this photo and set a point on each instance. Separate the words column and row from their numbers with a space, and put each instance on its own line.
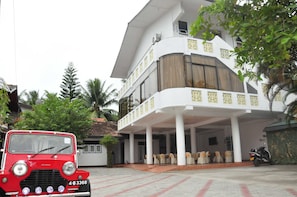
column 131, row 140
column 193, row 140
column 236, row 139
column 168, row 144
column 180, row 140
column 149, row 145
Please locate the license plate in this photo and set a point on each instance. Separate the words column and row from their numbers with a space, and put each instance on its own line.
column 78, row 182
column 252, row 158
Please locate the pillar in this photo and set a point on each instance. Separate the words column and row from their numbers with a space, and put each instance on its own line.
column 149, row 145
column 131, row 140
column 193, row 140
column 236, row 139
column 180, row 140
column 168, row 144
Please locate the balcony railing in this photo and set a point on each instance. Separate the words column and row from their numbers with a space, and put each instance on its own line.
column 198, row 97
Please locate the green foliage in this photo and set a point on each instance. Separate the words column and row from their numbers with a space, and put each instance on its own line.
column 109, row 141
column 98, row 98
column 31, row 97
column 268, row 30
column 70, row 85
column 56, row 114
column 283, row 146
column 4, row 110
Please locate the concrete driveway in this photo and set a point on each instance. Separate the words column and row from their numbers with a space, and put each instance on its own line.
column 270, row 180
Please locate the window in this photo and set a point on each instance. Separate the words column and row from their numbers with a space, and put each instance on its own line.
column 212, row 141
column 93, row 148
column 183, row 27
column 172, row 71
column 149, row 86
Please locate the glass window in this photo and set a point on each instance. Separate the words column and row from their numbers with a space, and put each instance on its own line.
column 224, row 79
column 198, row 76
column 211, row 77
column 183, row 27
column 153, row 83
column 98, row 148
column 40, row 143
column 92, row 148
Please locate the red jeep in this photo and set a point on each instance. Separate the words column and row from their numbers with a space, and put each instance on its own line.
column 41, row 163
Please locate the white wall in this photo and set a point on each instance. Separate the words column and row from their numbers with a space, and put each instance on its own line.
column 251, row 135
column 88, row 158
column 202, row 141
column 163, row 25
column 156, row 149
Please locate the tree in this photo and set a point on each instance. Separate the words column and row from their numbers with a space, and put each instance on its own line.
column 56, row 114
column 70, row 85
column 98, row 98
column 31, row 97
column 268, row 31
column 4, row 110
column 109, row 141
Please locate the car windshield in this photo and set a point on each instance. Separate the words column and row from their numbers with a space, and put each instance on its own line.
column 40, row 144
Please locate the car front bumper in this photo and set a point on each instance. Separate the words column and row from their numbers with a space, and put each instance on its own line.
column 54, row 195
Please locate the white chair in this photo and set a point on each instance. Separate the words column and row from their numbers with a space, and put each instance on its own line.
column 156, row 160
column 207, row 154
column 189, row 159
column 172, row 158
column 162, row 159
column 202, row 158
column 218, row 158
column 228, row 156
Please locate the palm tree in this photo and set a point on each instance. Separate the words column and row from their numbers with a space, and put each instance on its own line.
column 32, row 97
column 98, row 98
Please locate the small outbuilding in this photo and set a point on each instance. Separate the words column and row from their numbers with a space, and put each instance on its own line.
column 91, row 152
column 282, row 142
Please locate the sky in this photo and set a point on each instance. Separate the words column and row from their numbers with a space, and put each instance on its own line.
column 39, row 38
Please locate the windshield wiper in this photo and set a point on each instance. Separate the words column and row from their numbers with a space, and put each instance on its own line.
column 60, row 150
column 42, row 150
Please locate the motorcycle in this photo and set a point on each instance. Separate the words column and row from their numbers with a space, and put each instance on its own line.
column 260, row 156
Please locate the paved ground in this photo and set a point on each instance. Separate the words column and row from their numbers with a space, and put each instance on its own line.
column 248, row 181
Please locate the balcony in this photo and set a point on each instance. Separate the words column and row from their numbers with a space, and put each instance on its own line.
column 186, row 45
column 197, row 102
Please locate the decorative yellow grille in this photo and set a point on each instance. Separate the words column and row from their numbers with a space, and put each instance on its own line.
column 212, row 97
column 151, row 55
column 208, row 47
column 254, row 100
column 192, row 44
column 241, row 99
column 152, row 102
column 196, row 96
column 146, row 106
column 145, row 62
column 225, row 53
column 227, row 98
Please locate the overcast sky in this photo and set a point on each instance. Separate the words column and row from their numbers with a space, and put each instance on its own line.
column 38, row 39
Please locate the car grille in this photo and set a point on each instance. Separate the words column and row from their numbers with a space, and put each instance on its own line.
column 43, row 179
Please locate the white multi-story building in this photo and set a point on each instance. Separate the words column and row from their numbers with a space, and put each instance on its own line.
column 183, row 94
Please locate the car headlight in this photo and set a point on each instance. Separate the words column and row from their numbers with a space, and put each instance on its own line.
column 20, row 168
column 69, row 168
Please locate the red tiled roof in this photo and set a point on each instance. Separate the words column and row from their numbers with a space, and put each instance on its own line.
column 100, row 129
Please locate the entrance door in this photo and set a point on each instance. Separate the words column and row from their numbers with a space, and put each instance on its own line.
column 141, row 151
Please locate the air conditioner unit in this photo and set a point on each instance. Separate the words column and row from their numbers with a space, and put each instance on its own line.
column 158, row 37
